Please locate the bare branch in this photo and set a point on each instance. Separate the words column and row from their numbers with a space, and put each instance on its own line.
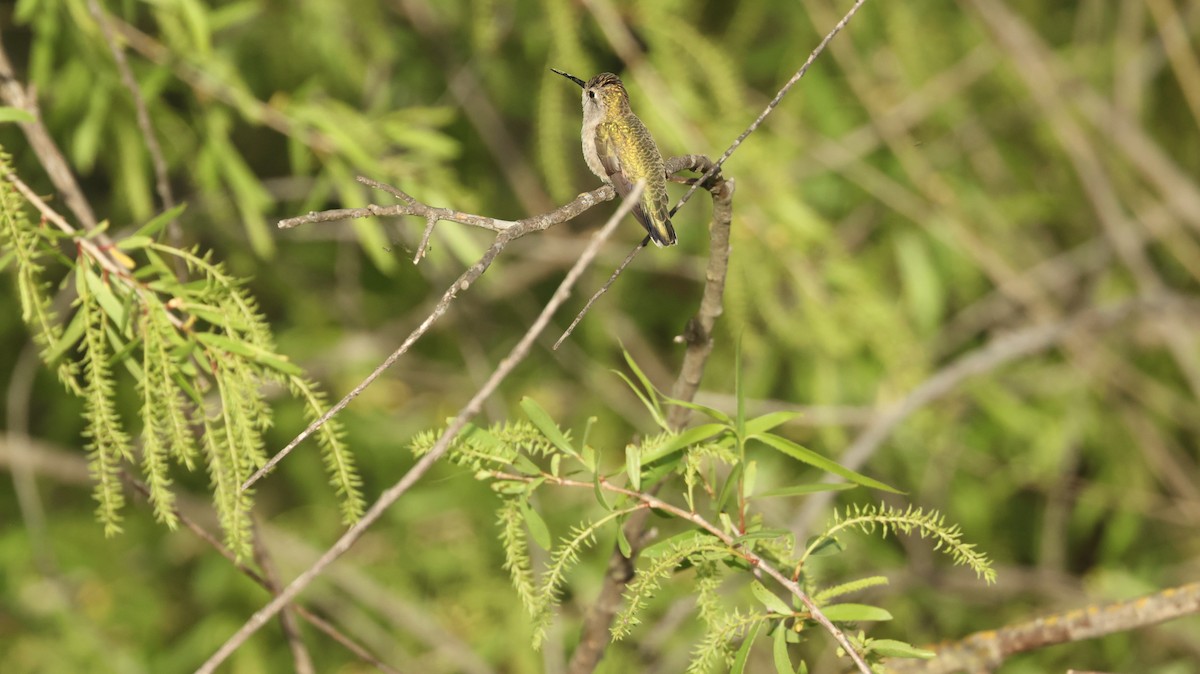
column 603, row 289
column 393, row 493
column 987, row 650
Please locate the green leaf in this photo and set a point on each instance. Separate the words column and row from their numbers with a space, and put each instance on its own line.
column 890, row 648
column 854, row 612
column 103, row 293
column 805, row 455
column 650, row 405
column 546, row 425
column 599, row 491
column 743, row 653
column 768, row 421
column 730, row 487
column 829, row 545
column 633, row 466
column 804, row 489
column 536, row 525
column 69, row 337
column 711, row 412
column 623, row 543
column 769, row 599
column 156, row 224
column 683, row 539
column 762, row 535
column 750, row 479
column 525, row 466
column 248, row 350
column 637, row 372
column 10, row 114
column 687, row 438
column 739, row 391
column 783, row 662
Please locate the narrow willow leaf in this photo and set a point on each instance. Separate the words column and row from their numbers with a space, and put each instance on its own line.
column 538, row 530
column 805, row 455
column 599, row 491
column 711, row 412
column 763, row 535
column 651, row 406
column 682, row 540
column 890, row 648
column 546, row 425
column 854, row 612
column 69, row 338
column 623, row 543
column 768, row 421
column 155, row 225
column 769, row 599
column 104, row 296
column 750, row 479
column 251, row 351
column 783, row 662
column 687, row 438
column 637, row 372
column 743, row 653
column 730, row 488
column 739, row 391
column 827, row 546
column 633, row 466
column 11, row 114
column 804, row 489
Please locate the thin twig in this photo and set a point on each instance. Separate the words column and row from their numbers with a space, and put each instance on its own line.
column 301, row 660
column 316, row 621
column 757, row 562
column 771, row 106
column 511, row 231
column 393, row 493
column 604, row 288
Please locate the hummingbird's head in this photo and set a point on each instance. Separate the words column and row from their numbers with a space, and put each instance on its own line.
column 603, row 94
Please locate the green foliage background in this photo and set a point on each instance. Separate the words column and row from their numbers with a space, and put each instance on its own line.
column 930, row 184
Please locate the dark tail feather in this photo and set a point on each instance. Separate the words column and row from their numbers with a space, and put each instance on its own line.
column 663, row 235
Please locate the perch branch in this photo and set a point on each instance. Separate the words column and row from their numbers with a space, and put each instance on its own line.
column 507, row 232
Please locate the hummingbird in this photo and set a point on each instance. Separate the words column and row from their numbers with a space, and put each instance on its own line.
column 620, row 151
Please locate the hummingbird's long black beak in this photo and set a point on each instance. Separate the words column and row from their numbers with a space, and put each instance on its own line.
column 576, row 80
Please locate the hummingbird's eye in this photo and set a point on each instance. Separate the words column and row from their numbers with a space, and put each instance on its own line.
column 591, row 94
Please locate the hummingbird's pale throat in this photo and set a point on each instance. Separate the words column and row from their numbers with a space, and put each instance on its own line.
column 620, row 151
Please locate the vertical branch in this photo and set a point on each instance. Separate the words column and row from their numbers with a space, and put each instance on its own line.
column 595, row 635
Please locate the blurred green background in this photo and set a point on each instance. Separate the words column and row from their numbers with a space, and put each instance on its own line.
column 947, row 173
